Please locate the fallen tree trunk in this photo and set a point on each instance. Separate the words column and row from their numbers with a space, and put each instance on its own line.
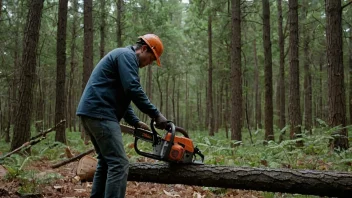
column 308, row 182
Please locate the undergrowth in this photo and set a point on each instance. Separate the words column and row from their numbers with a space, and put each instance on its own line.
column 314, row 155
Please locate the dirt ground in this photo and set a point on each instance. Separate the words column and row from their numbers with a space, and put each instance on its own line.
column 68, row 187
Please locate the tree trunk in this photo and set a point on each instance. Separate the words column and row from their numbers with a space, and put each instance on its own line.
column 9, row 113
column 0, row 9
column 149, row 83
column 236, row 73
column 119, row 5
column 61, row 71
column 350, row 72
column 269, row 132
column 2, row 115
column 227, row 111
column 88, row 48
column 102, row 28
column 220, row 108
column 167, row 92
column 178, row 105
column 307, row 75
column 281, row 102
column 73, row 65
column 322, row 183
column 210, row 78
column 186, row 124
column 174, row 98
column 88, row 42
column 198, row 107
column 21, row 133
column 336, row 87
column 320, row 96
column 160, row 90
column 258, row 106
column 294, row 108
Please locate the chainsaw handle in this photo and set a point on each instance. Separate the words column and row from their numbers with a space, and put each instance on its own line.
column 177, row 129
column 170, row 128
column 155, row 134
column 182, row 130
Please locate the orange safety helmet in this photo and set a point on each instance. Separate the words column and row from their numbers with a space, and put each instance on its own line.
column 155, row 44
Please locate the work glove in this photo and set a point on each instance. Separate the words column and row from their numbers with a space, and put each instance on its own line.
column 142, row 125
column 160, row 121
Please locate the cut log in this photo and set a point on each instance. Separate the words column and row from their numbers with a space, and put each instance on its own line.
column 322, row 183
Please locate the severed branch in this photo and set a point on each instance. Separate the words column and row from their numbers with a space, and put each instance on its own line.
column 347, row 4
column 72, row 159
column 124, row 129
column 43, row 134
column 34, row 140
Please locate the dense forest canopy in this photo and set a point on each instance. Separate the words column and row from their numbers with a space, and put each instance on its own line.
column 229, row 65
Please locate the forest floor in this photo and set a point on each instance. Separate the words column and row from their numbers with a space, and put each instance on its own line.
column 67, row 186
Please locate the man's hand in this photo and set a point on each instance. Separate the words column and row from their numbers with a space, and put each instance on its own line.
column 160, row 121
column 142, row 125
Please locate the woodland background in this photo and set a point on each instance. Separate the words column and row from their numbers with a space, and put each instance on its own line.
column 273, row 77
column 232, row 65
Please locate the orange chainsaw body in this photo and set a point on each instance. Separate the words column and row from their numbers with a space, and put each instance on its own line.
column 181, row 145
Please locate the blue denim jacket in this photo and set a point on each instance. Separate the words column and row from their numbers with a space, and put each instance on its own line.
column 113, row 84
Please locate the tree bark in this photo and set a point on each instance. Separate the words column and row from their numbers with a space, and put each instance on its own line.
column 119, row 5
column 307, row 75
column 88, row 48
column 336, row 87
column 88, row 42
column 102, row 29
column 186, row 124
column 73, row 64
column 227, row 111
column 61, row 71
column 220, row 106
column 320, row 95
column 322, row 183
column 149, row 83
column 350, row 73
column 210, row 78
column 236, row 73
column 282, row 105
column 158, row 76
column 269, row 132
column 167, row 114
column 258, row 102
column 294, row 108
column 0, row 9
column 178, row 105
column 174, row 97
column 21, row 133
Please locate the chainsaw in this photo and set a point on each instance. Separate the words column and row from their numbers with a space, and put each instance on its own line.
column 168, row 148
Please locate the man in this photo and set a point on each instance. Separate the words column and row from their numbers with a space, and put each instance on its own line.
column 106, row 99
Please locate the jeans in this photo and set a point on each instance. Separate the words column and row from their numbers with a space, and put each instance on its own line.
column 110, row 178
